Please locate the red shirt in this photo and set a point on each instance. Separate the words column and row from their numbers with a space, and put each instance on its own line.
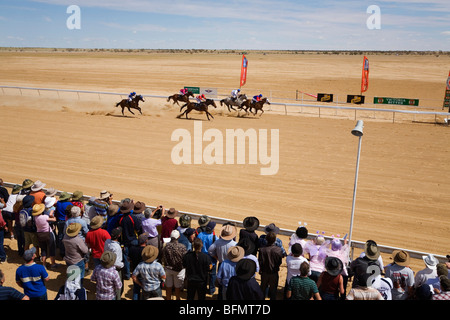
column 95, row 239
column 167, row 226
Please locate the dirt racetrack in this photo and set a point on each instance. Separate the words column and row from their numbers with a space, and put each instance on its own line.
column 73, row 143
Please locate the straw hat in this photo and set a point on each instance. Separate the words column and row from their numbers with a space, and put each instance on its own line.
column 73, row 229
column 38, row 209
column 401, row 257
column 149, row 253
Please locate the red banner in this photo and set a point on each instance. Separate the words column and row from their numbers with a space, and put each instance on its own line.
column 243, row 70
column 365, row 75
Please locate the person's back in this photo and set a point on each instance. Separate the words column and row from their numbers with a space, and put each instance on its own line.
column 243, row 286
column 302, row 287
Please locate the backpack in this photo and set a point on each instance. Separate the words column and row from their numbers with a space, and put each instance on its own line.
column 25, row 219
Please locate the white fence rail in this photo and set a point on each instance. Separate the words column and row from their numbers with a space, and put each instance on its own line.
column 285, row 232
column 298, row 107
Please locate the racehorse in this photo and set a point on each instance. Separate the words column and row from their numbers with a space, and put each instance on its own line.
column 230, row 102
column 134, row 104
column 180, row 97
column 258, row 105
column 203, row 106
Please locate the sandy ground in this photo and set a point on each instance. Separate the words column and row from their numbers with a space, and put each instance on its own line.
column 73, row 143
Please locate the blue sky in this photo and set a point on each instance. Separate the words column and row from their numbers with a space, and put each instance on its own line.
column 227, row 24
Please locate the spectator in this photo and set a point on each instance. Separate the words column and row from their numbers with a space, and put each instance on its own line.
column 441, row 270
column 32, row 277
column 270, row 259
column 10, row 293
column 331, row 283
column 135, row 256
column 100, row 205
column 202, row 223
column 360, row 265
column 60, row 213
column 96, row 238
column 130, row 229
column 249, row 247
column 317, row 252
column 384, row 285
column 301, row 287
column 293, row 263
column 112, row 218
column 262, row 239
column 401, row 275
column 363, row 291
column 138, row 211
column 444, row 294
column 168, row 222
column 300, row 236
column 28, row 224
column 429, row 272
column 4, row 194
column 113, row 245
column 187, row 238
column 106, row 277
column 71, row 289
column 149, row 273
column 26, row 187
column 37, row 193
column 227, row 268
column 150, row 226
column 342, row 252
column 198, row 265
column 172, row 257
column 208, row 237
column 250, row 225
column 77, row 200
column 8, row 210
column 74, row 216
column 45, row 235
column 243, row 286
column 423, row 292
column 18, row 230
column 76, row 249
column 185, row 222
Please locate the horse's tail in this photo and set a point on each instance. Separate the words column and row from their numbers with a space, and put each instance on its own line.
column 118, row 103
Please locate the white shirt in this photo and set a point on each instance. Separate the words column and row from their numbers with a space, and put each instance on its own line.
column 293, row 266
column 114, row 246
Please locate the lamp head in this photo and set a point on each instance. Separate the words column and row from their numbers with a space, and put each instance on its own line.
column 358, row 130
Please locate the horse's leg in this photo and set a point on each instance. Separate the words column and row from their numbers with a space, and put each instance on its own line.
column 130, row 110
column 262, row 111
column 183, row 106
column 122, row 110
column 139, row 110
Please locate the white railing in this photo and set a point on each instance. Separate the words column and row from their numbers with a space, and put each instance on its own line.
column 319, row 107
column 285, row 232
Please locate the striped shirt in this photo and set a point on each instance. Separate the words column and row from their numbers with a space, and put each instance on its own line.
column 32, row 278
column 108, row 281
column 149, row 274
column 303, row 288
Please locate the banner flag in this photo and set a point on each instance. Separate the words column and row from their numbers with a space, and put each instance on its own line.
column 365, row 75
column 244, row 70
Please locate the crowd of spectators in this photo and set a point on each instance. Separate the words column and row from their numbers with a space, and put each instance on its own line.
column 163, row 251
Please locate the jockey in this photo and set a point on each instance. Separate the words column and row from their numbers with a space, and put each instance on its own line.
column 200, row 98
column 257, row 98
column 234, row 94
column 130, row 97
column 183, row 91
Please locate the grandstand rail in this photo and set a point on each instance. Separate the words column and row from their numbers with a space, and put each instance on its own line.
column 285, row 104
column 283, row 231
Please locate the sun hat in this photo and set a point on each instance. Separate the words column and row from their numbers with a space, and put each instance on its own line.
column 105, row 195
column 203, row 220
column 38, row 185
column 50, row 192
column 245, row 269
column 371, row 250
column 271, row 228
column 27, row 183
column 16, row 189
column 251, row 223
column 149, row 253
column 185, row 221
column 108, row 259
column 235, row 253
column 401, row 257
column 333, row 266
column 430, row 261
column 228, row 232
column 113, row 209
column 96, row 222
column 127, row 206
column 64, row 196
column 73, row 229
column 77, row 196
column 171, row 213
column 38, row 209
column 139, row 207
column 49, row 202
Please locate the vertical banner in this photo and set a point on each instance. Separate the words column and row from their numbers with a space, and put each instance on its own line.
column 243, row 70
column 365, row 75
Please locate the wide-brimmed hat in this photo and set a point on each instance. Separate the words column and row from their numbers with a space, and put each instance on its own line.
column 113, row 209
column 401, row 257
column 251, row 223
column 38, row 185
column 96, row 222
column 105, row 195
column 49, row 201
column 77, row 195
column 333, row 266
column 139, row 207
column 108, row 259
column 245, row 269
column 16, row 189
column 38, row 209
column 64, row 196
column 371, row 250
column 27, row 183
column 73, row 229
column 127, row 206
column 185, row 221
column 430, row 261
column 272, row 228
column 228, row 232
column 235, row 253
column 149, row 253
column 50, row 192
column 203, row 220
column 171, row 213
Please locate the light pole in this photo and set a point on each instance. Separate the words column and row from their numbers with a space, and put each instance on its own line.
column 358, row 132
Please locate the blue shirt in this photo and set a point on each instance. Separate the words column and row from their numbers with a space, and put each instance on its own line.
column 227, row 269
column 60, row 211
column 32, row 278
